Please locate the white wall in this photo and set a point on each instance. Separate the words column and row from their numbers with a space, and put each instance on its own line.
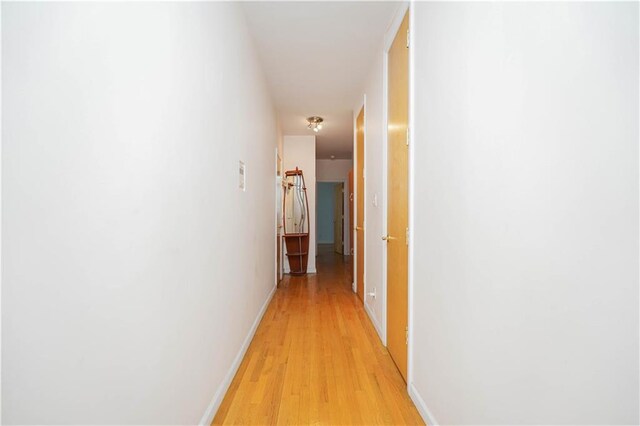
column 133, row 267
column 374, row 189
column 338, row 171
column 526, row 212
column 300, row 151
column 375, row 177
column 333, row 170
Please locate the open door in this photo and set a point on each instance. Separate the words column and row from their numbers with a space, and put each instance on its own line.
column 359, row 228
column 338, row 218
column 398, row 199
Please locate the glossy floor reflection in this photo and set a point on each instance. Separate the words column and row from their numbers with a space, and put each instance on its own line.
column 316, row 359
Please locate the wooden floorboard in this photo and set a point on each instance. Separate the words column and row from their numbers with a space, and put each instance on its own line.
column 316, row 359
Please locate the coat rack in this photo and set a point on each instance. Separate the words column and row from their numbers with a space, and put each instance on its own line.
column 296, row 221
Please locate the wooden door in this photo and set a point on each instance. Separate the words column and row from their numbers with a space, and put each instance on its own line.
column 338, row 217
column 398, row 199
column 351, row 212
column 359, row 228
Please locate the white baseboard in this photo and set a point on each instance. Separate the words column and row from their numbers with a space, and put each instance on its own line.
column 207, row 418
column 286, row 270
column 375, row 323
column 422, row 406
column 309, row 271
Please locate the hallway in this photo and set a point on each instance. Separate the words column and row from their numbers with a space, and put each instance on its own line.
column 316, row 358
column 484, row 167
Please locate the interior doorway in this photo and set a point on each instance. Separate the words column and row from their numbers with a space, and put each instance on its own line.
column 330, row 215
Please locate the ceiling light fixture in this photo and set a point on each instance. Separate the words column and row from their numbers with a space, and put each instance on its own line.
column 315, row 123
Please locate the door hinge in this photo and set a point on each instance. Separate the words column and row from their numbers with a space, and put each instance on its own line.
column 407, row 135
column 406, row 333
column 407, row 236
column 408, row 38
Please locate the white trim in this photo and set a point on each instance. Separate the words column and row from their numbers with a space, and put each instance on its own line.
column 277, row 272
column 1, row 209
column 288, row 271
column 210, row 413
column 1, row 258
column 424, row 411
column 375, row 323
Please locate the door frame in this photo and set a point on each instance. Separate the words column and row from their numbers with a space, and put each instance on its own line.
column 361, row 107
column 388, row 41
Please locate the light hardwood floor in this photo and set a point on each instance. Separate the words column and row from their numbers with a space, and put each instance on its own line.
column 316, row 359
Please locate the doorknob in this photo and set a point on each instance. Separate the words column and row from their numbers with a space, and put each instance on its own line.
column 358, row 228
column 388, row 238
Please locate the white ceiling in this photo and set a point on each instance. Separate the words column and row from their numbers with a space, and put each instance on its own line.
column 317, row 56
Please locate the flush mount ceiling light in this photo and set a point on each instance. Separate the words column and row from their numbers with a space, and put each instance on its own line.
column 315, row 123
